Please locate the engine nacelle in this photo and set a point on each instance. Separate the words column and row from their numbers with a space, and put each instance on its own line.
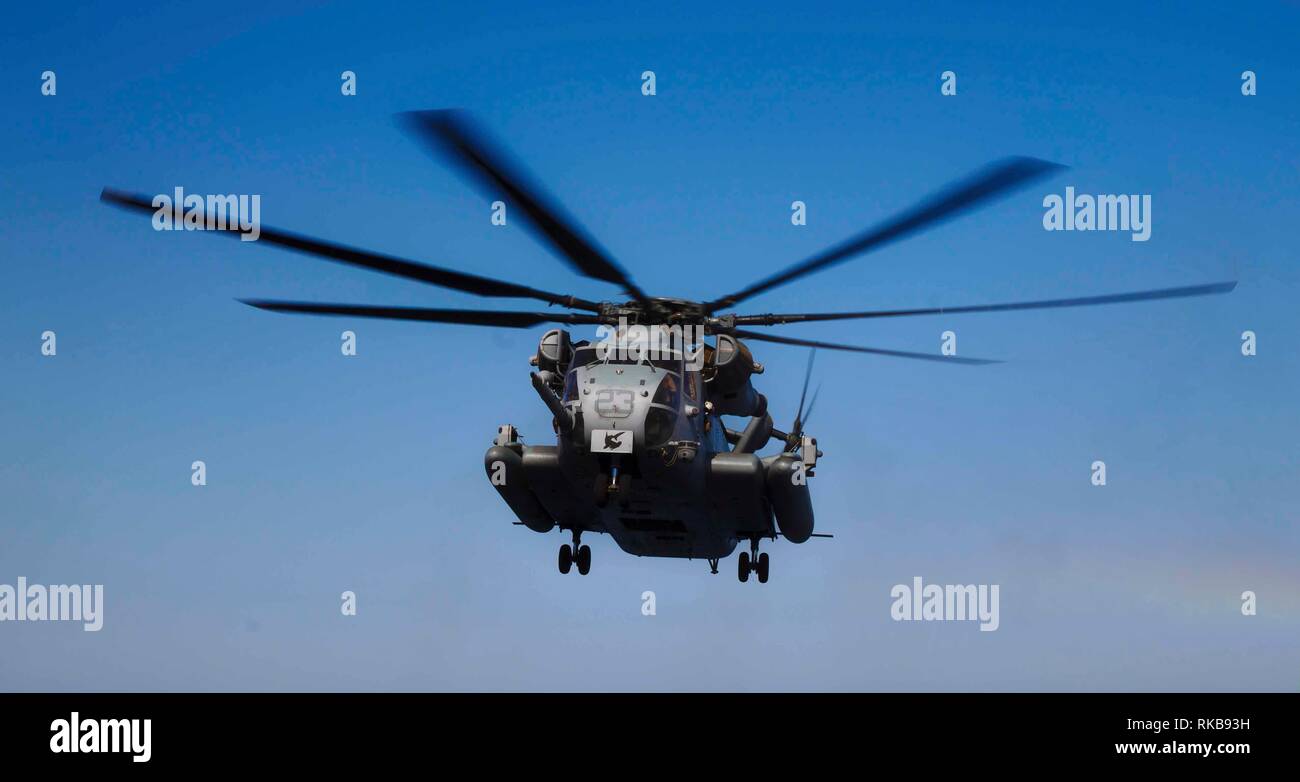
column 554, row 352
column 727, row 371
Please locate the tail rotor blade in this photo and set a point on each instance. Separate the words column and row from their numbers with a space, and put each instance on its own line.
column 811, row 402
column 807, row 375
column 801, row 416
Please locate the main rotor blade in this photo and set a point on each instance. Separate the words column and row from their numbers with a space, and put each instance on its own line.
column 504, row 319
column 454, row 136
column 810, row 343
column 388, row 264
column 1086, row 301
column 998, row 179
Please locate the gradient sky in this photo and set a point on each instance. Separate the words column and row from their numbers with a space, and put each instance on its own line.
column 328, row 473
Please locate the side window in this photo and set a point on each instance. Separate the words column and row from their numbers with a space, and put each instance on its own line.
column 570, row 386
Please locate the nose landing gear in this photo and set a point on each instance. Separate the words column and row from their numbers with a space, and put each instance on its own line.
column 615, row 482
column 753, row 562
column 582, row 557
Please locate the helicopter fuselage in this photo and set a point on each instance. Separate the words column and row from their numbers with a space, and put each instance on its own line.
column 641, row 455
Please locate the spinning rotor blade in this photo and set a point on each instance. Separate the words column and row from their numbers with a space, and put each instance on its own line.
column 808, row 413
column 998, row 179
column 803, row 395
column 411, row 270
column 1086, row 301
column 503, row 319
column 454, row 136
column 800, row 416
column 810, row 343
column 791, row 439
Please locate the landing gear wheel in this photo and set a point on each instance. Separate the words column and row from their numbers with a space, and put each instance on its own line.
column 762, row 568
column 583, row 559
column 600, row 490
column 566, row 558
column 742, row 566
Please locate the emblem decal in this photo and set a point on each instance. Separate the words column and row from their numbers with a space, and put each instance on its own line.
column 611, row 441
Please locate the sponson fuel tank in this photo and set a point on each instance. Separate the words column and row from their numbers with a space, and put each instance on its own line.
column 505, row 470
column 787, row 489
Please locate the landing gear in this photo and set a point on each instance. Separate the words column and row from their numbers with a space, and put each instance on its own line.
column 582, row 558
column 752, row 562
column 713, row 565
column 613, row 481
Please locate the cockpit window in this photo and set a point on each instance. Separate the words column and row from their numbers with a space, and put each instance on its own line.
column 584, row 356
column 587, row 355
column 570, row 386
column 669, row 392
column 667, row 364
column 659, row 425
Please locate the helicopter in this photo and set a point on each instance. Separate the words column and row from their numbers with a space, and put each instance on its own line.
column 641, row 449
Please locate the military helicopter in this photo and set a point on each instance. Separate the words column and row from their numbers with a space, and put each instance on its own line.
column 641, row 450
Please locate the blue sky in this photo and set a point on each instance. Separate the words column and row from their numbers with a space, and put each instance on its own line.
column 328, row 473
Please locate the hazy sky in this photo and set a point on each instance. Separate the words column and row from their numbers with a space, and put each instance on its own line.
column 328, row 473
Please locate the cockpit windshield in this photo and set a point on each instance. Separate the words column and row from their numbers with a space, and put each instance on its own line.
column 669, row 392
column 669, row 361
column 570, row 386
